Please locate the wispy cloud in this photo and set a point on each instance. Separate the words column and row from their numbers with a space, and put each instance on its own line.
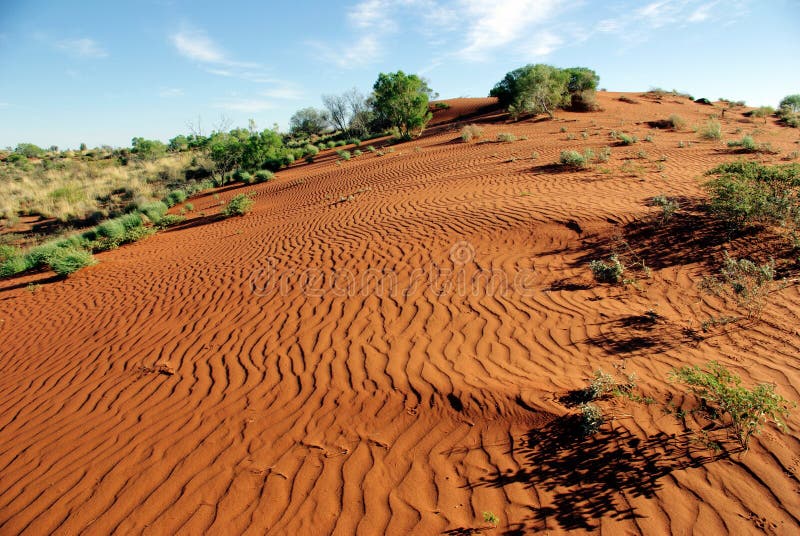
column 196, row 45
column 83, row 47
column 491, row 25
column 169, row 92
column 363, row 52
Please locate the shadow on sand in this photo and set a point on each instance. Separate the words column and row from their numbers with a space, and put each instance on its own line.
column 582, row 480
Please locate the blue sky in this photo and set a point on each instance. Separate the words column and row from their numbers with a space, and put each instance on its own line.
column 103, row 72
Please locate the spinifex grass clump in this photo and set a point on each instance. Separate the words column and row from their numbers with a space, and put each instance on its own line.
column 65, row 261
column 729, row 403
column 239, row 205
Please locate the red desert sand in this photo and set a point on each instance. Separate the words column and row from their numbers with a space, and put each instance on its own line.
column 385, row 346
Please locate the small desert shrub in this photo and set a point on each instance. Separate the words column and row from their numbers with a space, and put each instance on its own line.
column 13, row 265
column 506, row 137
column 170, row 220
column 344, row 155
column 357, row 152
column 371, row 148
column 604, row 154
column 712, row 130
column 490, row 517
column 263, row 175
column 534, row 155
column 628, row 100
column 244, row 176
column 441, row 106
column 65, row 261
column 111, row 229
column 746, row 282
column 747, row 143
column 747, row 193
column 627, row 139
column 762, row 112
column 729, row 403
column 154, row 211
column 310, row 150
column 471, row 131
column 668, row 207
column 607, row 272
column 591, row 418
column 572, row 158
column 174, row 197
column 239, row 205
column 676, row 122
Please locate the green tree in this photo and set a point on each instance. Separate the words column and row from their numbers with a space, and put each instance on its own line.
column 178, row 143
column 29, row 150
column 401, row 100
column 308, row 121
column 148, row 149
column 582, row 86
column 791, row 103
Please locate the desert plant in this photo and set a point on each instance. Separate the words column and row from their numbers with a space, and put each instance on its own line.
column 471, row 131
column 262, row 175
column 506, row 137
column 591, row 418
column 729, row 403
column 627, row 139
column 762, row 112
column 239, row 205
column 400, row 100
column 490, row 517
column 711, row 130
column 344, row 155
column 746, row 282
column 65, row 261
column 668, row 207
column 573, row 159
column 174, row 197
column 607, row 272
column 747, row 193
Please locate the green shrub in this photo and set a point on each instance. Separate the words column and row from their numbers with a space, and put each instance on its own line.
column 263, row 175
column 344, row 155
column 310, row 150
column 441, row 106
column 668, row 207
column 729, row 403
column 747, row 282
column 13, row 265
column 65, row 261
column 357, row 152
column 7, row 252
column 40, row 255
column 604, row 154
column 174, row 197
column 573, row 159
column 154, row 211
column 111, row 229
column 747, row 143
column 591, row 418
column 371, row 148
column 607, row 272
column 243, row 176
column 762, row 112
column 712, row 130
column 626, row 139
column 239, row 205
column 170, row 220
column 746, row 193
column 506, row 137
column 789, row 110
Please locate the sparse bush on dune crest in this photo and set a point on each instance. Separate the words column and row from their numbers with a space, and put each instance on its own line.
column 541, row 89
column 239, row 205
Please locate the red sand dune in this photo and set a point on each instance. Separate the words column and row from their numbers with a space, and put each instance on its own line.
column 202, row 382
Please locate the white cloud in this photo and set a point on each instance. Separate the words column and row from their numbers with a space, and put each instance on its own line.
column 196, row 45
column 543, row 43
column 169, row 92
column 82, row 47
column 492, row 25
column 284, row 91
column 702, row 13
column 363, row 52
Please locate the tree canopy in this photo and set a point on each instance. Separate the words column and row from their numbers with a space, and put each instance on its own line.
column 541, row 89
column 401, row 101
